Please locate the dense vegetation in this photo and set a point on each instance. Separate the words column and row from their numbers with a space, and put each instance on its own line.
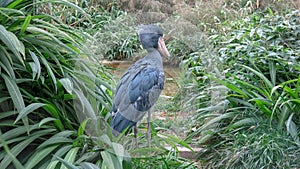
column 248, row 114
column 241, row 81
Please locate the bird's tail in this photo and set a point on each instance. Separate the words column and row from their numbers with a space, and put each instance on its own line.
column 120, row 123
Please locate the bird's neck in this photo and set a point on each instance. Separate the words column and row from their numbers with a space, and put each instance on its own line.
column 155, row 57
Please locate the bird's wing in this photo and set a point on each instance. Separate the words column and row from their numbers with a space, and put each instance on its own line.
column 145, row 88
column 137, row 91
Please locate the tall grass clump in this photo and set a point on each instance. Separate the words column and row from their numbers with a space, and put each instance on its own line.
column 250, row 115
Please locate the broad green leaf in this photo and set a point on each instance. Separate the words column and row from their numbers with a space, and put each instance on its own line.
column 272, row 68
column 71, row 156
column 16, row 97
column 14, row 3
column 62, row 151
column 119, row 152
column 68, row 85
column 37, row 64
column 86, row 109
column 87, row 165
column 51, row 109
column 13, row 43
column 109, row 161
column 292, row 128
column 18, row 131
column 81, row 128
column 25, row 24
column 53, row 164
column 55, row 140
column 6, row 64
column 46, row 120
column 105, row 139
column 14, row 92
column 66, row 164
column 30, row 108
column 34, row 69
column 7, row 114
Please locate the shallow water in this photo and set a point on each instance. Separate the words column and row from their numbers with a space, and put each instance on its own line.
column 172, row 74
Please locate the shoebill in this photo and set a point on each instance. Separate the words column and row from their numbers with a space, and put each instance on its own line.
column 142, row 83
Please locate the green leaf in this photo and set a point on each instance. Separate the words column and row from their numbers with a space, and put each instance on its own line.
column 16, row 97
column 87, row 110
column 17, row 149
column 66, row 164
column 15, row 161
column 25, row 24
column 39, row 155
column 87, row 165
column 243, row 122
column 109, row 161
column 70, row 157
column 292, row 128
column 14, row 4
column 46, row 120
column 68, row 85
column 50, row 72
column 272, row 68
column 7, row 64
column 14, row 92
column 13, row 43
column 105, row 139
column 37, row 65
column 266, row 80
column 232, row 87
column 55, row 140
column 119, row 152
column 82, row 127
column 53, row 164
column 7, row 114
column 30, row 108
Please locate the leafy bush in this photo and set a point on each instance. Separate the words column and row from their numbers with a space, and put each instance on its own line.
column 260, row 40
column 117, row 39
column 257, row 69
column 50, row 86
column 258, row 147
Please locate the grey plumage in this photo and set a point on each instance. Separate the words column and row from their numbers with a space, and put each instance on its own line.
column 141, row 85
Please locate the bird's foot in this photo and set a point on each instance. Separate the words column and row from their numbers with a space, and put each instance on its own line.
column 149, row 135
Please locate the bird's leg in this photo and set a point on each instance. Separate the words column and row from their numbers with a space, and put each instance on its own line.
column 149, row 130
column 135, row 131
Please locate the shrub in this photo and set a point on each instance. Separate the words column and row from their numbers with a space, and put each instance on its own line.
column 257, row 85
column 52, row 94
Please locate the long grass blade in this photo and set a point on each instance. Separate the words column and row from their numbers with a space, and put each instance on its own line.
column 13, row 43
column 263, row 77
column 25, row 24
column 30, row 108
column 66, row 164
column 71, row 156
column 15, row 161
column 38, row 156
